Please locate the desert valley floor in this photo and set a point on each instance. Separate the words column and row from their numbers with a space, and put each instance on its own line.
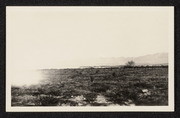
column 111, row 86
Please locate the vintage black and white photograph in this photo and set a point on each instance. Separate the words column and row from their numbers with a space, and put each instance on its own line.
column 89, row 59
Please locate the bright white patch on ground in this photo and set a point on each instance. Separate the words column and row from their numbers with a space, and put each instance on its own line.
column 23, row 77
column 102, row 100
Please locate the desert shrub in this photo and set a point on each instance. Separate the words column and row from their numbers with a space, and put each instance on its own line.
column 92, row 78
column 130, row 64
column 97, row 71
column 152, row 100
column 121, row 95
column 116, row 98
column 69, row 92
column 15, row 88
column 14, row 99
column 142, row 85
column 98, row 104
column 162, row 85
column 25, row 100
column 48, row 100
column 130, row 94
column 99, row 87
column 40, row 90
column 114, row 74
column 90, row 97
column 14, row 91
column 54, row 93
column 20, row 91
column 65, row 102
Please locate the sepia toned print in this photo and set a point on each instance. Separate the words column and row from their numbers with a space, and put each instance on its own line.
column 90, row 59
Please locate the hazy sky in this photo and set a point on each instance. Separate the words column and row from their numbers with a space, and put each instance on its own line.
column 53, row 37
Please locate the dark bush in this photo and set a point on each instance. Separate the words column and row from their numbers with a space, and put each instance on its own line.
column 99, row 87
column 142, row 85
column 130, row 64
column 48, row 101
column 114, row 74
column 90, row 97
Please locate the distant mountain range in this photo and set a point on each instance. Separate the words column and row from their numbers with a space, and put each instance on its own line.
column 158, row 58
column 151, row 59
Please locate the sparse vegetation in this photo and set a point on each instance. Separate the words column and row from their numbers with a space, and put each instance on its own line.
column 80, row 87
